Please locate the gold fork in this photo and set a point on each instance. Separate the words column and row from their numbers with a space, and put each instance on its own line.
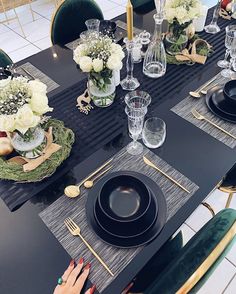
column 199, row 116
column 75, row 231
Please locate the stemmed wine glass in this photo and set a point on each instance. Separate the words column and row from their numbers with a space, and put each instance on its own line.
column 230, row 41
column 138, row 100
column 213, row 27
column 135, row 126
column 224, row 63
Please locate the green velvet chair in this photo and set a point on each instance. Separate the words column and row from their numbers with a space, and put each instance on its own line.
column 198, row 258
column 69, row 20
column 143, row 6
column 5, row 60
column 158, row 263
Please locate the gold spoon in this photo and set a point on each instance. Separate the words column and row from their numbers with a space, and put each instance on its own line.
column 89, row 184
column 197, row 94
column 199, row 116
column 74, row 190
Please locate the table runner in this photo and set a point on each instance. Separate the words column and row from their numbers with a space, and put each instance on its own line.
column 37, row 74
column 117, row 259
column 183, row 109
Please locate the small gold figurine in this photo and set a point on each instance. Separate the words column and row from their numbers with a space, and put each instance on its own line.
column 83, row 102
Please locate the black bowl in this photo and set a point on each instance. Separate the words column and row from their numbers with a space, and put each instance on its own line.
column 107, row 27
column 230, row 92
column 129, row 230
column 124, row 206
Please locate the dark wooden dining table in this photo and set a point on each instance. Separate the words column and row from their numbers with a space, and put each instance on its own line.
column 31, row 258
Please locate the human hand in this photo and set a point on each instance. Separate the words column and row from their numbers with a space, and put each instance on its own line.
column 74, row 278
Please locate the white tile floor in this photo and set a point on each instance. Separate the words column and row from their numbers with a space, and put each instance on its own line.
column 37, row 38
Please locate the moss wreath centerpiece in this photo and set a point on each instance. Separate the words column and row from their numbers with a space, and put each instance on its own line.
column 61, row 136
column 42, row 143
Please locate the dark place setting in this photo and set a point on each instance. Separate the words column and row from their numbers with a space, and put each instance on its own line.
column 117, row 146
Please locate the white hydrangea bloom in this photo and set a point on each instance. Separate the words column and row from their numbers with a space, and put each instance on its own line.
column 183, row 10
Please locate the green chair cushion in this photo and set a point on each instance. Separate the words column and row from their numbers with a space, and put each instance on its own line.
column 4, row 59
column 193, row 254
column 69, row 20
column 158, row 263
column 143, row 6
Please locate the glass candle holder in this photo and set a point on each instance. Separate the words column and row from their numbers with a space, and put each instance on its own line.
column 129, row 83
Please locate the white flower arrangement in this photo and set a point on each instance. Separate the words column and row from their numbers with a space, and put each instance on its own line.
column 182, row 11
column 98, row 57
column 22, row 104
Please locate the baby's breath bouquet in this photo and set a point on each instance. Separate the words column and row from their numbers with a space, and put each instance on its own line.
column 99, row 57
column 22, row 106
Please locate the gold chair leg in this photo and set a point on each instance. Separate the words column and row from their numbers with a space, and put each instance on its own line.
column 31, row 10
column 209, row 208
column 4, row 11
column 229, row 199
column 17, row 17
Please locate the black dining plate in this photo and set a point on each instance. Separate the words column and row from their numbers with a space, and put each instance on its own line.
column 220, row 102
column 136, row 241
column 218, row 112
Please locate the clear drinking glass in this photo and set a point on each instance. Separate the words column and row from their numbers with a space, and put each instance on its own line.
column 230, row 41
column 225, row 63
column 233, row 62
column 93, row 24
column 213, row 27
column 154, row 132
column 135, row 126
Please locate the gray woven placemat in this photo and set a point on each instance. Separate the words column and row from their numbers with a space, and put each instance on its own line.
column 117, row 259
column 183, row 109
column 35, row 73
column 72, row 45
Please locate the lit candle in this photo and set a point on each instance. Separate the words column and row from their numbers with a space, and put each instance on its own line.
column 129, row 15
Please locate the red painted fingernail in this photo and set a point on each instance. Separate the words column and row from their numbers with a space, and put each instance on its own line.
column 92, row 290
column 87, row 266
column 81, row 260
column 72, row 262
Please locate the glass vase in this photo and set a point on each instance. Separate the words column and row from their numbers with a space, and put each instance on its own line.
column 102, row 97
column 154, row 65
column 31, row 144
column 175, row 44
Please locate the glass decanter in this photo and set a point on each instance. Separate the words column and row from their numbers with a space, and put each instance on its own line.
column 213, row 27
column 154, row 65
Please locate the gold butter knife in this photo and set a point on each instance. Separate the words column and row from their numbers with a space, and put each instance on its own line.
column 148, row 162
